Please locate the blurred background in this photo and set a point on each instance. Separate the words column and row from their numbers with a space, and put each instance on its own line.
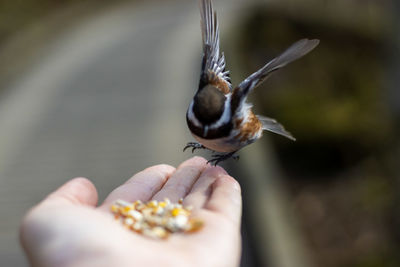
column 100, row 89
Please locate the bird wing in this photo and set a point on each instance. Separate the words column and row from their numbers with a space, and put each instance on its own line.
column 295, row 51
column 213, row 65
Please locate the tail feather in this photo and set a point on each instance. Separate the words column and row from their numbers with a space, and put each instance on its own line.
column 272, row 125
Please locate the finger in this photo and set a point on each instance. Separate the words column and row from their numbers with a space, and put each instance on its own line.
column 142, row 186
column 201, row 190
column 182, row 180
column 79, row 191
column 226, row 198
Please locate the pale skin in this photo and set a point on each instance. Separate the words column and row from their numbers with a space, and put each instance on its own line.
column 68, row 228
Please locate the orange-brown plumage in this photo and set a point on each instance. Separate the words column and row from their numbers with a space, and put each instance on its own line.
column 219, row 83
column 238, row 122
column 249, row 129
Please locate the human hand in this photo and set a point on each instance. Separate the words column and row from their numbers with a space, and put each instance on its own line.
column 68, row 229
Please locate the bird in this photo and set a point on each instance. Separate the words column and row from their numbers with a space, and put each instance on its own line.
column 219, row 116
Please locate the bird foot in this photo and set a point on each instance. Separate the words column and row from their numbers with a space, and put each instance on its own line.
column 194, row 146
column 217, row 158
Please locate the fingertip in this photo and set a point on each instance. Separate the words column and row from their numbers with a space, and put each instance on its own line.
column 196, row 160
column 199, row 158
column 162, row 171
column 215, row 171
column 162, row 168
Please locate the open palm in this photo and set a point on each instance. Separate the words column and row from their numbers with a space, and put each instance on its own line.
column 69, row 229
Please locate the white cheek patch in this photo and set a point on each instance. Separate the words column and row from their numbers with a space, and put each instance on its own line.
column 226, row 115
column 192, row 117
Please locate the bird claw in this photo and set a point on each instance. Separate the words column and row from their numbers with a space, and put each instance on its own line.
column 194, row 146
column 217, row 158
column 236, row 157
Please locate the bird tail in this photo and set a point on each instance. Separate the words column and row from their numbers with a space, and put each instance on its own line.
column 272, row 125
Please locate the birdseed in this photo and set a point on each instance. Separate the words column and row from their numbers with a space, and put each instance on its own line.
column 156, row 219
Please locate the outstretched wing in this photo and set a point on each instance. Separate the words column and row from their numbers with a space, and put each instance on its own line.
column 213, row 65
column 295, row 51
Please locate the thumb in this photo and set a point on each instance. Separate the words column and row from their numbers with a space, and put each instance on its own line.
column 78, row 191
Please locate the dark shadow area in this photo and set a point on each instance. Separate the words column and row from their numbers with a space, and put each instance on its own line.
column 338, row 102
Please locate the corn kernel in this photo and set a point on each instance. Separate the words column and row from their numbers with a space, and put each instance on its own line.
column 114, row 208
column 122, row 203
column 160, row 232
column 159, row 210
column 175, row 212
column 137, row 216
column 181, row 221
column 137, row 226
column 195, row 225
column 126, row 209
column 128, row 221
column 153, row 203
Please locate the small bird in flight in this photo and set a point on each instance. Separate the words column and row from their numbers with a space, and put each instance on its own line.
column 219, row 117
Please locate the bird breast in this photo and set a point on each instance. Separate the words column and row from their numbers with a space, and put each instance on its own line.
column 224, row 144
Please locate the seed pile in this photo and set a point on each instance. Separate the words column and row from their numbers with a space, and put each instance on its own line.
column 156, row 219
